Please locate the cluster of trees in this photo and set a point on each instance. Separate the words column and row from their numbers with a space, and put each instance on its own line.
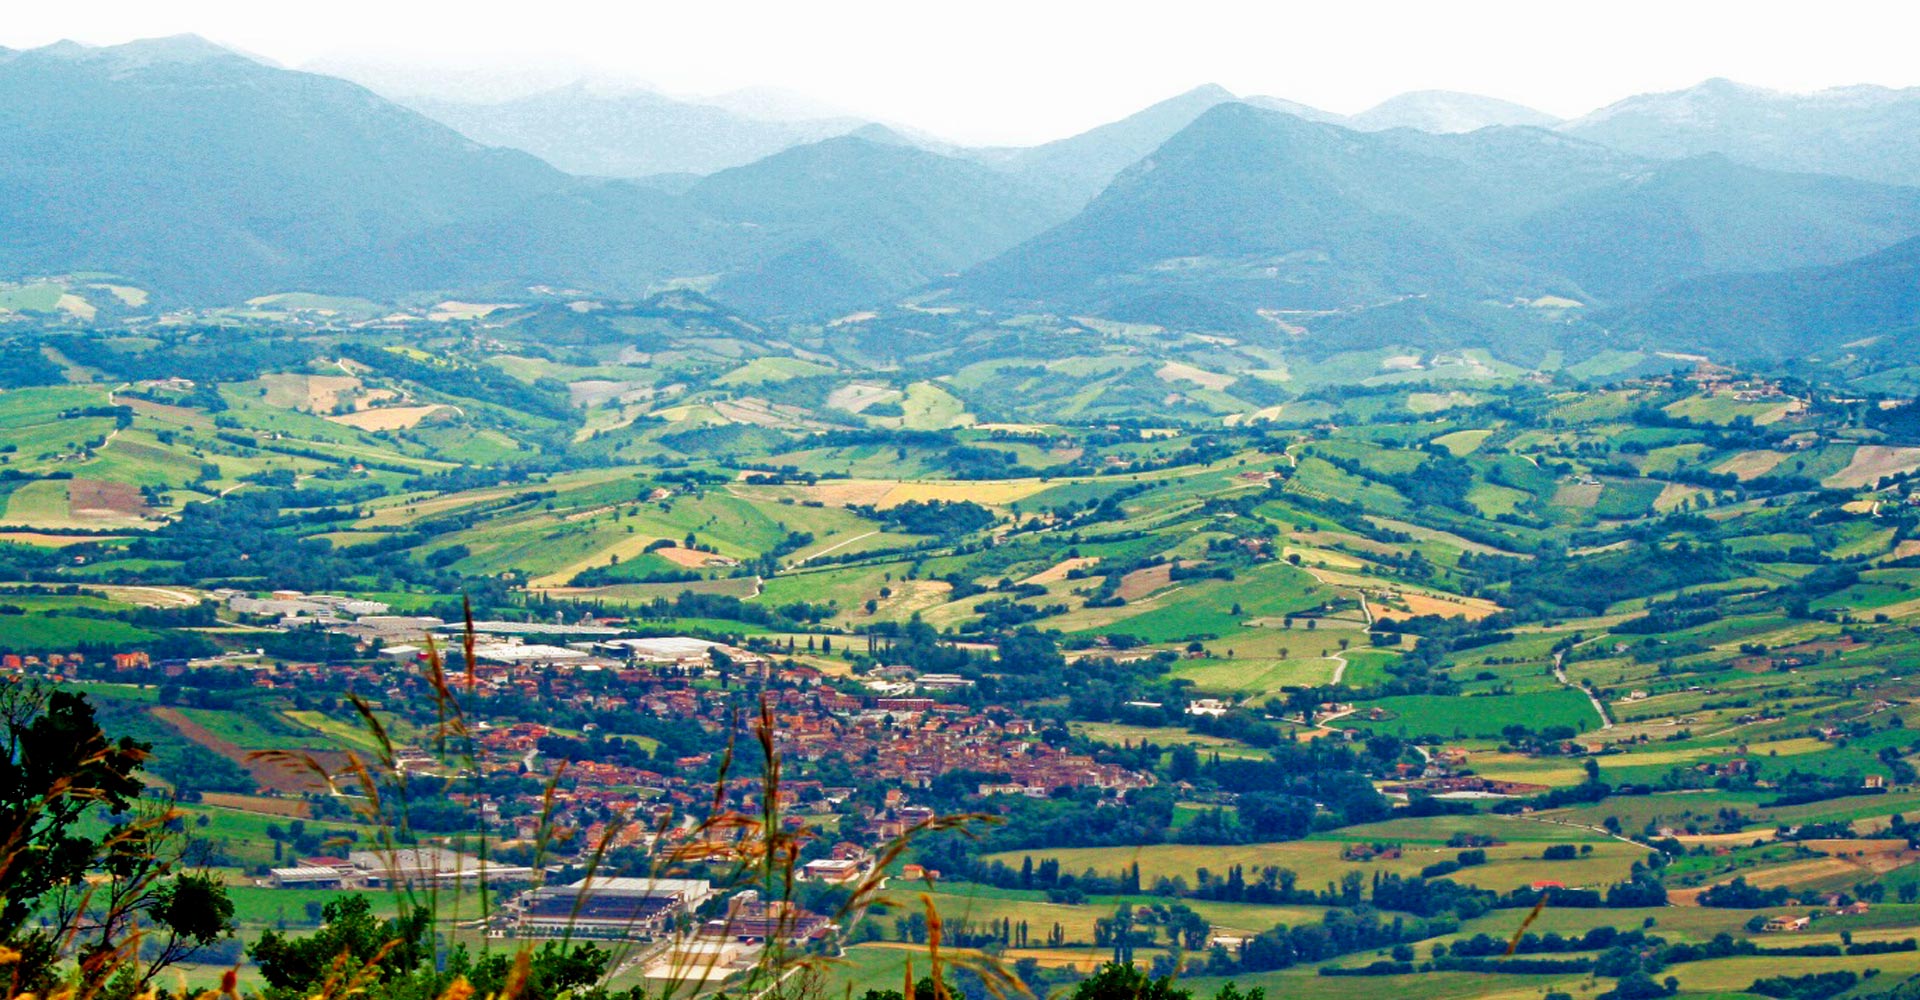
column 944, row 518
column 1595, row 583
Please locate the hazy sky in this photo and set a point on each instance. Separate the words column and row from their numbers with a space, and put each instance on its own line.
column 1018, row 71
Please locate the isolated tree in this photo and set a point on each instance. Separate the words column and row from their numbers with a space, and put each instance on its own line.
column 192, row 912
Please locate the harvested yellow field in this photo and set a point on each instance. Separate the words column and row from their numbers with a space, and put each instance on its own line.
column 1750, row 464
column 390, row 418
column 308, row 393
column 128, row 295
column 1732, row 976
column 760, row 413
column 1462, row 443
column 1418, row 602
column 1673, row 495
column 1470, row 608
column 1058, row 571
column 841, row 493
column 911, row 597
column 1261, row 415
column 1871, row 462
column 1518, row 767
column 1434, row 402
column 1860, row 848
column 1810, row 870
column 75, row 306
column 1142, row 582
column 1740, row 839
column 453, row 310
column 1174, row 371
column 1323, row 557
column 628, row 547
column 858, row 396
column 690, row 558
column 992, row 493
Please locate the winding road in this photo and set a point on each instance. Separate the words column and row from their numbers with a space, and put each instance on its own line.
column 1560, row 674
column 1341, row 670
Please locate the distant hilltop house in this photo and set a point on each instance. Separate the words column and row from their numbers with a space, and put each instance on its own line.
column 1786, row 923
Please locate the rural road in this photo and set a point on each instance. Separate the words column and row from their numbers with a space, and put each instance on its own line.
column 165, row 596
column 1560, row 674
column 1339, row 671
column 1603, row 831
column 834, row 547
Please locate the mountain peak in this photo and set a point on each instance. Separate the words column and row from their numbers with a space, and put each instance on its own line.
column 875, row 132
column 1447, row 111
column 1211, row 92
column 1295, row 108
column 1862, row 131
column 1723, row 85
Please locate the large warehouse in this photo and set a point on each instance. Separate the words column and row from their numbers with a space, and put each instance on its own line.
column 608, row 907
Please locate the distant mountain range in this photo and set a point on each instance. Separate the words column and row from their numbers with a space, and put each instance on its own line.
column 1249, row 209
column 208, row 178
column 856, row 219
column 601, row 132
column 1872, row 133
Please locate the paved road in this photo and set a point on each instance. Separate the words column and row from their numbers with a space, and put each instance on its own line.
column 1560, row 674
column 835, row 546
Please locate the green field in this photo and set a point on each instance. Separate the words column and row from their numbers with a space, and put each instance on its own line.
column 1482, row 716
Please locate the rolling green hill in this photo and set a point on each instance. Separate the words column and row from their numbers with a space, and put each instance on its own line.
column 1875, row 300
column 853, row 221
